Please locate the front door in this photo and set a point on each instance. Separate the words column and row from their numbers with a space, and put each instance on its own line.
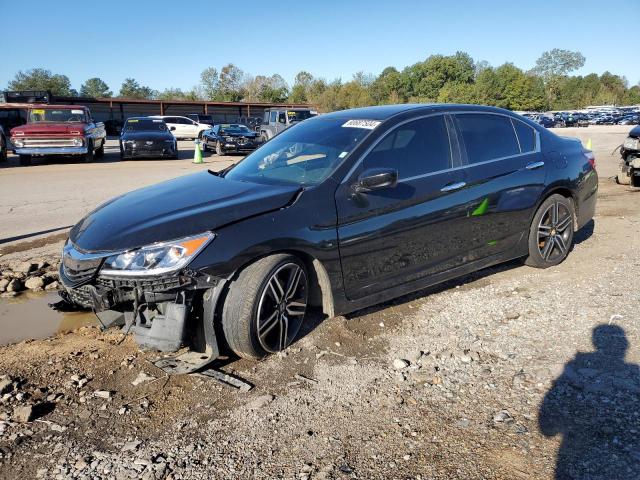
column 397, row 235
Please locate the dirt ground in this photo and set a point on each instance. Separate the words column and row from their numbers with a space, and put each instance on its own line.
column 508, row 373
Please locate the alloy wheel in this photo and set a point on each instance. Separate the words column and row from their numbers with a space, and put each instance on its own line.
column 554, row 232
column 282, row 306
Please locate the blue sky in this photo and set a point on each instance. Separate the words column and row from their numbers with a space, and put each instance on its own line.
column 168, row 43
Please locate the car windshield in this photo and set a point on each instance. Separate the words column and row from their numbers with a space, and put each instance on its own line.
column 234, row 128
column 299, row 115
column 150, row 125
column 41, row 115
column 304, row 154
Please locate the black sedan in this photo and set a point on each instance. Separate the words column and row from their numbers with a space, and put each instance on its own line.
column 144, row 137
column 341, row 211
column 230, row 137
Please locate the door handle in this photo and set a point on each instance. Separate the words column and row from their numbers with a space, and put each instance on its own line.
column 453, row 186
column 534, row 165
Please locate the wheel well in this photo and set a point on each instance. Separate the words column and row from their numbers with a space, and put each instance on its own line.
column 320, row 292
column 565, row 192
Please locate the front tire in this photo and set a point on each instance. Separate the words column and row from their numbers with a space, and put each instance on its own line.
column 100, row 151
column 89, row 156
column 265, row 306
column 219, row 149
column 551, row 233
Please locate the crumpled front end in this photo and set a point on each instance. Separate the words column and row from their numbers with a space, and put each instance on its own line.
column 161, row 311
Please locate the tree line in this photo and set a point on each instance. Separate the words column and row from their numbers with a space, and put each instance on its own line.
column 456, row 78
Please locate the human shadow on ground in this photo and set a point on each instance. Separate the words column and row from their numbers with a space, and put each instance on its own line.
column 595, row 406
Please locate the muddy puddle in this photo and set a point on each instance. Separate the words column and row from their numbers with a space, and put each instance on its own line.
column 28, row 316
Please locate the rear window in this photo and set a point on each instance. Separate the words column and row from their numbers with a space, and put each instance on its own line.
column 526, row 136
column 487, row 136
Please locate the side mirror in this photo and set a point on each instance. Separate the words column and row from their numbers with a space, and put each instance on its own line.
column 376, row 178
column 172, row 128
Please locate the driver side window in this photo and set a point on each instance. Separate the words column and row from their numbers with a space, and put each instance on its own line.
column 415, row 148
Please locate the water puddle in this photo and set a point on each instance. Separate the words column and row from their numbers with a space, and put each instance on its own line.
column 28, row 316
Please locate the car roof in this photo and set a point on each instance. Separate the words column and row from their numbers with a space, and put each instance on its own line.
column 383, row 112
column 143, row 118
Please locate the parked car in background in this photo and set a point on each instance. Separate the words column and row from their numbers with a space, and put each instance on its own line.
column 277, row 120
column 183, row 127
column 629, row 120
column 230, row 138
column 3, row 146
column 342, row 211
column 203, row 118
column 59, row 130
column 545, row 121
column 147, row 137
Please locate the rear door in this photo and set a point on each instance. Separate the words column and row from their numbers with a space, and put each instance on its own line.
column 504, row 177
column 400, row 234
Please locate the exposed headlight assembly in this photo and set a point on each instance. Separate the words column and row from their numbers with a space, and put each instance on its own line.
column 156, row 259
column 77, row 142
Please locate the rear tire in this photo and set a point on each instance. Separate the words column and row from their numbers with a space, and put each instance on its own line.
column 25, row 160
column 262, row 315
column 551, row 232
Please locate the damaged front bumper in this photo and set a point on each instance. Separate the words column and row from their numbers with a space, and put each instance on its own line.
column 164, row 312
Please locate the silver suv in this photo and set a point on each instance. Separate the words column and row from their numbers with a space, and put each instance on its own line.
column 276, row 120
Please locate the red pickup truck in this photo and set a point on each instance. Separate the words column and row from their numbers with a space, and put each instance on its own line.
column 59, row 130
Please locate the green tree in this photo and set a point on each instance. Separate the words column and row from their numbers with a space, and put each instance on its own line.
column 178, row 94
column 230, row 84
column 209, row 80
column 95, row 87
column 42, row 79
column 132, row 89
column 558, row 62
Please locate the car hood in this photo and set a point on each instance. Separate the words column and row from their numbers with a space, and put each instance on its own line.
column 147, row 135
column 49, row 129
column 174, row 209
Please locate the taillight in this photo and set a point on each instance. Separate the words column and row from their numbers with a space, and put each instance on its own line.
column 588, row 154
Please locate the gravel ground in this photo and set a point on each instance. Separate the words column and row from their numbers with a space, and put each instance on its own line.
column 509, row 373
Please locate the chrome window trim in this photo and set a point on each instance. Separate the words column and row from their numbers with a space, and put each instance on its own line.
column 360, row 160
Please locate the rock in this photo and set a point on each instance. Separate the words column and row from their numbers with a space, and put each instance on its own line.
column 106, row 394
column 23, row 414
column 141, row 378
column 15, row 285
column 400, row 364
column 503, row 416
column 3, row 284
column 131, row 446
column 259, row 402
column 25, row 267
column 6, row 385
column 9, row 294
column 52, row 286
column 34, row 283
column 80, row 464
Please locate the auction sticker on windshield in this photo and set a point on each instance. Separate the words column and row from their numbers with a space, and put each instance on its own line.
column 367, row 124
column 77, row 112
